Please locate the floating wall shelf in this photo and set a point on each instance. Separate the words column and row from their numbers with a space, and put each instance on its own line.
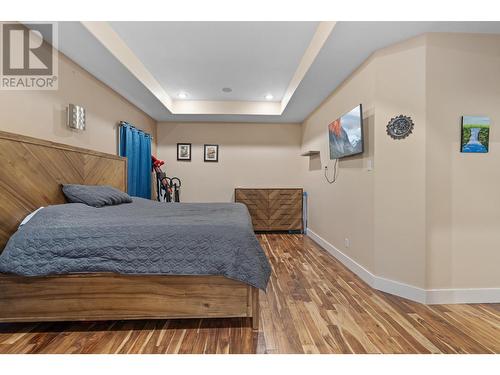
column 310, row 153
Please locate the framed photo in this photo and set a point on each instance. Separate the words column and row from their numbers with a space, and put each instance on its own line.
column 475, row 134
column 184, row 151
column 211, row 153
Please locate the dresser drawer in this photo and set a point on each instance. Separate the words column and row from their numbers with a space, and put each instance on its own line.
column 256, row 204
column 251, row 195
column 285, row 194
column 285, row 224
column 292, row 206
column 257, row 212
column 260, row 225
column 282, row 214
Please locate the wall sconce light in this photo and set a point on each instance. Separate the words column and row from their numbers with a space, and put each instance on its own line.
column 76, row 117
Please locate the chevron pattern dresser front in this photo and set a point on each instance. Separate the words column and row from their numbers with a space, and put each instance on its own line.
column 272, row 209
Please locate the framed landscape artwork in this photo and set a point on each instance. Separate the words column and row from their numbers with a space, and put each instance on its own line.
column 211, row 153
column 475, row 136
column 184, row 151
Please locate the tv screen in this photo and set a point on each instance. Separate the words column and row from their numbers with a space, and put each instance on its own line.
column 346, row 134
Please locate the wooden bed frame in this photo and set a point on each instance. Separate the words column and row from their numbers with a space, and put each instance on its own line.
column 31, row 175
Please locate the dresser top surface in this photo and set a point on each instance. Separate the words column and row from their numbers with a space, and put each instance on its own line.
column 277, row 188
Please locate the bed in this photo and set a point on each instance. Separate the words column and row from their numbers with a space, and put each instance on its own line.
column 151, row 260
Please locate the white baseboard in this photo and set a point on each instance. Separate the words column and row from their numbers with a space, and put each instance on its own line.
column 471, row 295
column 355, row 267
column 397, row 288
column 427, row 296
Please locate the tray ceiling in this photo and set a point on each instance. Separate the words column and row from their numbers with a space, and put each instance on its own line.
column 176, row 71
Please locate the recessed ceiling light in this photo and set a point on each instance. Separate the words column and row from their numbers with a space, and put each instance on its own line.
column 227, row 89
column 269, row 97
column 182, row 95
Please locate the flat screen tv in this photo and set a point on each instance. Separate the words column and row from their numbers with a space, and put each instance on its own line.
column 346, row 134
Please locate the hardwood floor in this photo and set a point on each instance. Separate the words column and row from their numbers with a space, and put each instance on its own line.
column 313, row 304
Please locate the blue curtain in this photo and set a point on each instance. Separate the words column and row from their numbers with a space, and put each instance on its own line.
column 135, row 145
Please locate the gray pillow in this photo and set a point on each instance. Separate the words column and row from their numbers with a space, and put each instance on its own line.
column 95, row 195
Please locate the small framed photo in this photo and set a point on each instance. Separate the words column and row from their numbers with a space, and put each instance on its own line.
column 211, row 153
column 184, row 151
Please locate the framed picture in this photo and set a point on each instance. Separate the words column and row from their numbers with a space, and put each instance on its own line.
column 475, row 135
column 211, row 153
column 184, row 151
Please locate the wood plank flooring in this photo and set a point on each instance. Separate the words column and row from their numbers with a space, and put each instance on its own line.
column 313, row 304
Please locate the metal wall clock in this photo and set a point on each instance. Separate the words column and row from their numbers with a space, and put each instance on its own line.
column 400, row 127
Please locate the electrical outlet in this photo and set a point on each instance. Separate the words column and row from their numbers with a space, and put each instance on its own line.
column 347, row 242
column 369, row 166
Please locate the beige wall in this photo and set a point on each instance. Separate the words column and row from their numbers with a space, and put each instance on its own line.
column 369, row 207
column 427, row 215
column 345, row 208
column 250, row 155
column 463, row 190
column 42, row 114
column 399, row 197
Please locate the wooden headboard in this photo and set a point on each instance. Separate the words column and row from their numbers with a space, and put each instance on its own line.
column 32, row 171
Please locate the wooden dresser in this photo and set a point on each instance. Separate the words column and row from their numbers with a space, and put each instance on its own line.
column 273, row 209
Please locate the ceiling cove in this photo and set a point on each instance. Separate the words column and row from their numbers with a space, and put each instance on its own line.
column 106, row 34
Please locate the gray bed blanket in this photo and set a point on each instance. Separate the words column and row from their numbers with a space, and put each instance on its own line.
column 142, row 237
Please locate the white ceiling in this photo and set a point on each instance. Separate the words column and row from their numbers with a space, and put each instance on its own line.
column 200, row 58
column 252, row 58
